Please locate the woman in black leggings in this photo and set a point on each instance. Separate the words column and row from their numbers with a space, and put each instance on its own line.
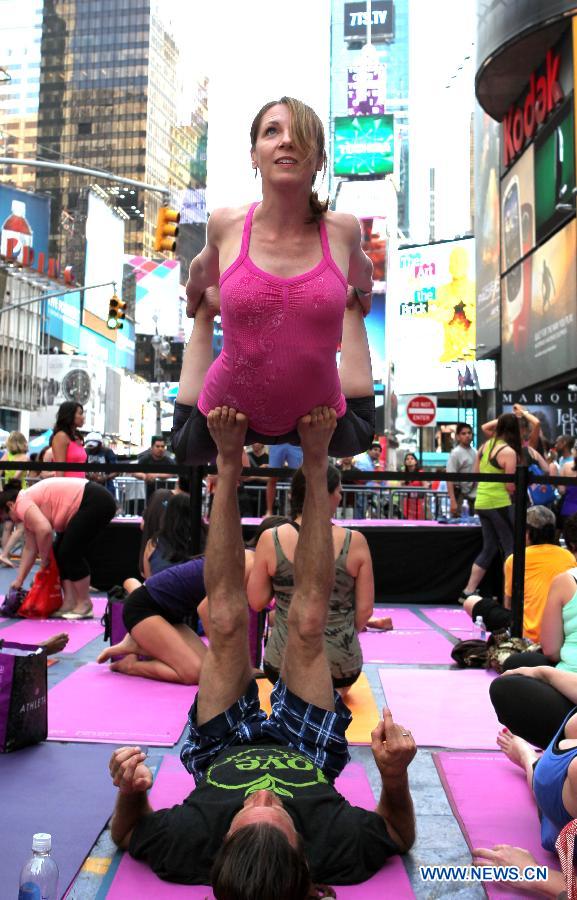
column 77, row 510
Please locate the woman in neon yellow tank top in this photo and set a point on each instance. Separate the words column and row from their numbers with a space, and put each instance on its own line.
column 16, row 451
column 500, row 455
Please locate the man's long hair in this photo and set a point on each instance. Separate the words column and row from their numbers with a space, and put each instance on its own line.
column 258, row 863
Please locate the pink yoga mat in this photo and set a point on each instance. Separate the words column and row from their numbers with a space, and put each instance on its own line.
column 453, row 620
column 173, row 784
column 443, row 707
column 33, row 631
column 99, row 706
column 492, row 803
column 403, row 619
column 99, row 605
column 415, row 647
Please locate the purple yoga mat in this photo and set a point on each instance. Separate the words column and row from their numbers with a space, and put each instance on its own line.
column 34, row 631
column 64, row 790
column 478, row 785
column 451, row 619
column 173, row 784
column 443, row 707
column 403, row 619
column 415, row 647
column 97, row 705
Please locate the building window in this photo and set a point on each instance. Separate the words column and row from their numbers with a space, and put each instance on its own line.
column 85, row 128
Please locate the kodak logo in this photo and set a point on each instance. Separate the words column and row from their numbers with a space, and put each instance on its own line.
column 521, row 121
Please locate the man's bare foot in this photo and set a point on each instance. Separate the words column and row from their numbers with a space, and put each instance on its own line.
column 315, row 431
column 228, row 431
column 55, row 644
column 516, row 749
column 126, row 645
column 125, row 665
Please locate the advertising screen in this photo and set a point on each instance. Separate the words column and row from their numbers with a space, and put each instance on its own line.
column 367, row 91
column 24, row 221
column 104, row 255
column 382, row 20
column 555, row 172
column 518, row 211
column 487, row 232
column 431, row 314
column 364, row 145
column 539, row 313
column 556, row 410
column 157, row 295
column 374, row 243
column 63, row 318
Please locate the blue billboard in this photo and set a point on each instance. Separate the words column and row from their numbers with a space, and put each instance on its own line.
column 63, row 318
column 24, row 222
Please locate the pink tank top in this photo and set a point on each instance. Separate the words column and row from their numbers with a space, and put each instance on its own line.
column 280, row 338
column 75, row 453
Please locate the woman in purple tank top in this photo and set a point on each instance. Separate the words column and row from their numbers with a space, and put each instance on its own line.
column 291, row 283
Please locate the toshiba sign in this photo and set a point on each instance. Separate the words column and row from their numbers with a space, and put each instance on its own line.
column 523, row 119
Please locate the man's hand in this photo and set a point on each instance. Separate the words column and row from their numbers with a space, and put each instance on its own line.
column 454, row 508
column 16, row 584
column 128, row 771
column 210, row 299
column 393, row 747
column 363, row 300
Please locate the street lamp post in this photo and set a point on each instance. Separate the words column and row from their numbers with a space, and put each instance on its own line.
column 161, row 350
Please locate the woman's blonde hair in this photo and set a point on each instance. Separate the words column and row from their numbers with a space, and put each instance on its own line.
column 308, row 135
column 16, row 442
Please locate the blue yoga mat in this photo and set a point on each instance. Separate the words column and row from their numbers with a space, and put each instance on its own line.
column 63, row 789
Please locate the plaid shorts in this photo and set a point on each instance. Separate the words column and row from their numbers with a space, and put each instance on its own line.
column 316, row 733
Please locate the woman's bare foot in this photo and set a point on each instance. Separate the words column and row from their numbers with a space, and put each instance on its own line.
column 228, row 431
column 4, row 561
column 125, row 665
column 126, row 645
column 55, row 644
column 383, row 624
column 517, row 750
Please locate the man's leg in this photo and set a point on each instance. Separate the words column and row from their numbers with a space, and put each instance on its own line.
column 226, row 671
column 305, row 668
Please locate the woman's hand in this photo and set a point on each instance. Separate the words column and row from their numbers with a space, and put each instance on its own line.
column 359, row 298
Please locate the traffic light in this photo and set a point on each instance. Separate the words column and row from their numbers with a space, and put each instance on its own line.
column 166, row 229
column 116, row 312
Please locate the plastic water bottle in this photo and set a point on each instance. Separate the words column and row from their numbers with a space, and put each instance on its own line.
column 465, row 511
column 481, row 630
column 39, row 876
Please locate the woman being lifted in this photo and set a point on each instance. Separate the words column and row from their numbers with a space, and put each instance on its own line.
column 293, row 284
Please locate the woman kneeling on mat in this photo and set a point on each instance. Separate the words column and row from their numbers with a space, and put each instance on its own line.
column 157, row 616
column 78, row 511
column 294, row 283
column 352, row 596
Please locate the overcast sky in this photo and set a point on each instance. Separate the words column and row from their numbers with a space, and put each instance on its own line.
column 253, row 52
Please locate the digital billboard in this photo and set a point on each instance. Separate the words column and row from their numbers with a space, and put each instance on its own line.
column 104, row 260
column 487, row 220
column 431, row 314
column 539, row 314
column 63, row 318
column 367, row 90
column 157, row 295
column 382, row 21
column 555, row 172
column 364, row 145
column 24, row 222
column 518, row 211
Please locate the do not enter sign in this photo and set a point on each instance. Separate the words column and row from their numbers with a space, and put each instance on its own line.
column 422, row 410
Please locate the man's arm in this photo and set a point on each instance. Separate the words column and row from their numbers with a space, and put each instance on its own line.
column 133, row 779
column 452, row 467
column 393, row 750
column 204, row 269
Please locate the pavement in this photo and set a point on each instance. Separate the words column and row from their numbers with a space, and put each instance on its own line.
column 439, row 838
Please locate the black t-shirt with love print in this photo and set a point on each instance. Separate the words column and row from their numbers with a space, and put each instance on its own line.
column 344, row 844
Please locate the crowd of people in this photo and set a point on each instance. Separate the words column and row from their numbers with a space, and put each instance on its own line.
column 291, row 282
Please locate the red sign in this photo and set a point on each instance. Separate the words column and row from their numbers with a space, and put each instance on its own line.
column 422, row 410
column 520, row 123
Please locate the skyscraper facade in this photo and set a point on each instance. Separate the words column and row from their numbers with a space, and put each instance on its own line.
column 108, row 100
